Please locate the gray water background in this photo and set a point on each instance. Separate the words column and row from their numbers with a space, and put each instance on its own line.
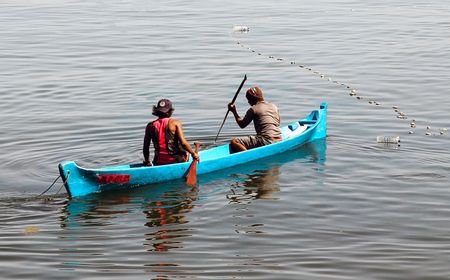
column 77, row 82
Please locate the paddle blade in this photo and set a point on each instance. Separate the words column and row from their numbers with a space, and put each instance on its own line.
column 191, row 178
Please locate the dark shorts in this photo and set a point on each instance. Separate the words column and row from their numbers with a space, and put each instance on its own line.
column 253, row 141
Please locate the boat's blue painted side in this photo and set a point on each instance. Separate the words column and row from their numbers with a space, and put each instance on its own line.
column 81, row 181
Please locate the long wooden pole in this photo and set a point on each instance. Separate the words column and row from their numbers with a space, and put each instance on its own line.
column 232, row 101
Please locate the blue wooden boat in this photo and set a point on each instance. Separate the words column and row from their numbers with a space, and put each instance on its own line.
column 80, row 181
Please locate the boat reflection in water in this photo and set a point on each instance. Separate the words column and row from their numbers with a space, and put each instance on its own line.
column 258, row 180
column 162, row 206
column 158, row 207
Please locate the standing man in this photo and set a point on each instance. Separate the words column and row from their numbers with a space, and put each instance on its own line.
column 167, row 137
column 265, row 117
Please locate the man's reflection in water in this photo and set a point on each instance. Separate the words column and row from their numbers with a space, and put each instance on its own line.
column 263, row 183
column 169, row 211
column 259, row 185
column 163, row 210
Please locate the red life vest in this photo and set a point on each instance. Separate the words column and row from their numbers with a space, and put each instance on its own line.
column 167, row 147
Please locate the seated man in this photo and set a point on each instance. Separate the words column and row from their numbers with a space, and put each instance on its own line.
column 265, row 117
column 167, row 137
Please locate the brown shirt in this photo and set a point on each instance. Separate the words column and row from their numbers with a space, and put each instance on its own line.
column 266, row 118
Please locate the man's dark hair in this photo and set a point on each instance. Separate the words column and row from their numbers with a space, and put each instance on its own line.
column 163, row 115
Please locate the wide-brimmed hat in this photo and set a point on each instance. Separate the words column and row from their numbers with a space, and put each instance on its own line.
column 256, row 92
column 163, row 106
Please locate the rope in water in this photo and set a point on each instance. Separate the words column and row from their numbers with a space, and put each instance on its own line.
column 60, row 188
column 64, row 182
column 353, row 92
column 49, row 187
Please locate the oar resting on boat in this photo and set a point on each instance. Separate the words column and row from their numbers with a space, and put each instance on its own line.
column 80, row 181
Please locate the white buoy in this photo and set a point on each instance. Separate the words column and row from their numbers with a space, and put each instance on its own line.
column 240, row 28
column 388, row 139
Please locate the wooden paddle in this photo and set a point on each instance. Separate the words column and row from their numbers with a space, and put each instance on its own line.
column 191, row 178
column 232, row 101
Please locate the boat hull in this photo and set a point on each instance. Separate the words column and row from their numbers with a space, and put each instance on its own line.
column 80, row 181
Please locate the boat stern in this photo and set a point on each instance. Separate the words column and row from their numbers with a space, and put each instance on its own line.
column 321, row 129
column 72, row 175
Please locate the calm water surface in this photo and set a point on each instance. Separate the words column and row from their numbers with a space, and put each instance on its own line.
column 78, row 79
